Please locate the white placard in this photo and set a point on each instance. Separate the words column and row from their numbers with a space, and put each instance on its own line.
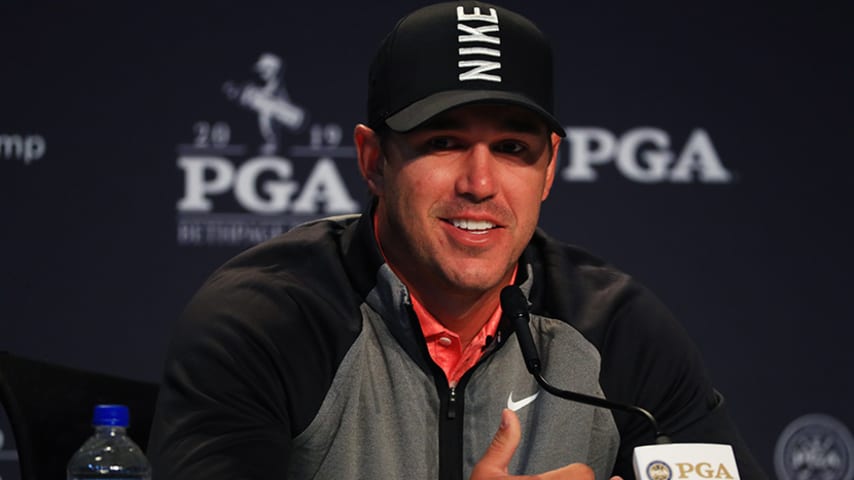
column 685, row 461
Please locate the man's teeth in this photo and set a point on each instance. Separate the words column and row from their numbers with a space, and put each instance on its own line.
column 473, row 225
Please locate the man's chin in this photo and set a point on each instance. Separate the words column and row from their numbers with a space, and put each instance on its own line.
column 476, row 279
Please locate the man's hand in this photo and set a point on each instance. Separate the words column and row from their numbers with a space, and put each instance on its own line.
column 493, row 464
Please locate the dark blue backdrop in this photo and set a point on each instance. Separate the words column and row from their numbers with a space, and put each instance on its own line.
column 132, row 163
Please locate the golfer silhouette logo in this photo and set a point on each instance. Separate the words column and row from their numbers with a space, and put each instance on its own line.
column 269, row 100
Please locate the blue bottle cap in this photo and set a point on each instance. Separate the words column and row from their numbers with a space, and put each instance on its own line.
column 111, row 415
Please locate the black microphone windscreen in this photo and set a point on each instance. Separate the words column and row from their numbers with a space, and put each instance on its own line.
column 514, row 305
column 513, row 302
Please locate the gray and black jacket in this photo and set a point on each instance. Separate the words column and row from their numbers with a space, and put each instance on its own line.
column 302, row 358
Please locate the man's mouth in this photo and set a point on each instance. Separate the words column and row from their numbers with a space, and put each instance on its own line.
column 473, row 226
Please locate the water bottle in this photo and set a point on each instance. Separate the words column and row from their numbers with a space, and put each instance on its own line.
column 109, row 453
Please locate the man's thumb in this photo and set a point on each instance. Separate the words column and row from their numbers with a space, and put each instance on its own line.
column 503, row 446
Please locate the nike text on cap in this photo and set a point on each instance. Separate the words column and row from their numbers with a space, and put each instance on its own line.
column 456, row 53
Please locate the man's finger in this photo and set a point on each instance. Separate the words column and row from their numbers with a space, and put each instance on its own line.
column 503, row 446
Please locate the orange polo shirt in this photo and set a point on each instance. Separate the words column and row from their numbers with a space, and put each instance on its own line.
column 445, row 346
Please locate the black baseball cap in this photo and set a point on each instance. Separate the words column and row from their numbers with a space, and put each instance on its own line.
column 458, row 53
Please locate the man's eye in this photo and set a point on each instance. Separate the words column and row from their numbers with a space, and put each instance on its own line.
column 510, row 147
column 442, row 143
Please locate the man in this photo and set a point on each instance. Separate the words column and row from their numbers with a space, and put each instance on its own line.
column 373, row 346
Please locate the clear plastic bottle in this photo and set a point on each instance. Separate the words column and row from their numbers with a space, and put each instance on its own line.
column 109, row 453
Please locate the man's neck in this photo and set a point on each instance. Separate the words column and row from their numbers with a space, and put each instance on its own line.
column 460, row 313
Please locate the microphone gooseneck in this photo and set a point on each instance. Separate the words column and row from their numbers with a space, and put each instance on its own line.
column 515, row 307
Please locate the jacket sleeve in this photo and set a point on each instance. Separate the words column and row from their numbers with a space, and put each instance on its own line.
column 251, row 361
column 222, row 410
column 648, row 360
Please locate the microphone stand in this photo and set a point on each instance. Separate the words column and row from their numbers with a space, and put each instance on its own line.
column 515, row 305
column 660, row 437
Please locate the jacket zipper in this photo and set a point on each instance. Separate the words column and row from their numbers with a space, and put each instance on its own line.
column 451, row 416
column 450, row 428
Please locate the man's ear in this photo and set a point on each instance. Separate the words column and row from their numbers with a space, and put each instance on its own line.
column 552, row 166
column 370, row 157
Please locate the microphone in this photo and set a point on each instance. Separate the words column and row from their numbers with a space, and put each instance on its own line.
column 662, row 460
column 515, row 306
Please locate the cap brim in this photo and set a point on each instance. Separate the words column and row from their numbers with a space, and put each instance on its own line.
column 427, row 108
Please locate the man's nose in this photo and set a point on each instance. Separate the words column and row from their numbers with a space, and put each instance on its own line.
column 477, row 178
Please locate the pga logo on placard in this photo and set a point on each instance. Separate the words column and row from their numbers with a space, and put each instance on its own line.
column 659, row 470
column 688, row 461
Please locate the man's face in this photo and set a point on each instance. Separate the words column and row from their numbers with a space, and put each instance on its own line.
column 459, row 197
